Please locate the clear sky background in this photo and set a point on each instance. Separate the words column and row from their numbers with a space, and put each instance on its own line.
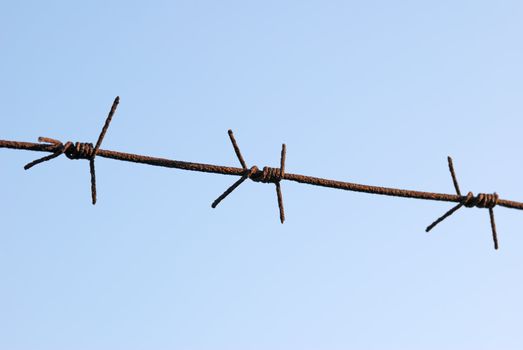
column 376, row 92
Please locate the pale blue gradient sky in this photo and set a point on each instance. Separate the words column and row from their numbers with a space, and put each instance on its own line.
column 378, row 92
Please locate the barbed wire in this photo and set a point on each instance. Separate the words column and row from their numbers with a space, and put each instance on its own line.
column 86, row 151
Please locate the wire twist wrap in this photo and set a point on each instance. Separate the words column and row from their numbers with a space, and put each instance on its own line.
column 267, row 175
column 482, row 200
column 81, row 150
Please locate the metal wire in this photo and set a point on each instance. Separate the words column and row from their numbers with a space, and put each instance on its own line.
column 82, row 150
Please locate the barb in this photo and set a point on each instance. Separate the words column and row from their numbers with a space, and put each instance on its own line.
column 482, row 200
column 268, row 175
column 80, row 150
column 89, row 152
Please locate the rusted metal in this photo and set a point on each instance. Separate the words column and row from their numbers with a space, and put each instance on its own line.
column 87, row 151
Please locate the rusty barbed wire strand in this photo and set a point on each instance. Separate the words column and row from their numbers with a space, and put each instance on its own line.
column 82, row 150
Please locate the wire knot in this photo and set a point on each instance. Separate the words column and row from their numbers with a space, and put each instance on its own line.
column 482, row 200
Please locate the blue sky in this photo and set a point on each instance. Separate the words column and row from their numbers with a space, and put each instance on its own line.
column 374, row 92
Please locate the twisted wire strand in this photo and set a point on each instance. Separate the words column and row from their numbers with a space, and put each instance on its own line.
column 81, row 150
